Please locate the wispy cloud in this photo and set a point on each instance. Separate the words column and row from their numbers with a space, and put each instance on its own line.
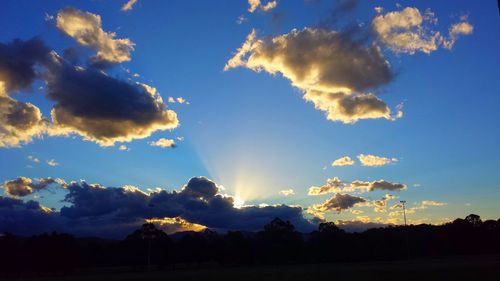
column 128, row 5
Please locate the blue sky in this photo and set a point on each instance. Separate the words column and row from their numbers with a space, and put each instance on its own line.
column 253, row 132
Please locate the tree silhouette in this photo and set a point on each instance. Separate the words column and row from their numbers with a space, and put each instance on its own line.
column 473, row 219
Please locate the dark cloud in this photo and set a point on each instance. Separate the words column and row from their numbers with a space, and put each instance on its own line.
column 378, row 185
column 26, row 218
column 338, row 203
column 93, row 209
column 101, row 108
column 18, row 60
column 20, row 122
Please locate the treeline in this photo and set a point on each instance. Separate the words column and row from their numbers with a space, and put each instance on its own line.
column 278, row 243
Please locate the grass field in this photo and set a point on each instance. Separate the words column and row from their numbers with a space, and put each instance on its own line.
column 472, row 268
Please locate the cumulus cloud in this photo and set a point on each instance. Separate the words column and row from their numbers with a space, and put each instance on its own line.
column 338, row 203
column 23, row 186
column 334, row 185
column 20, row 122
column 128, row 5
column 287, row 192
column 257, row 4
column 375, row 161
column 101, row 108
column 410, row 31
column 380, row 206
column 93, row 209
column 377, row 185
column 333, row 70
column 457, row 30
column 164, row 143
column 88, row 101
column 343, row 161
column 86, row 29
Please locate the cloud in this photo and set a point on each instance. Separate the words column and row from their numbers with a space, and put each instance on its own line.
column 101, row 108
column 332, row 69
column 33, row 159
column 23, row 186
column 123, row 147
column 375, row 161
column 358, row 225
column 86, row 29
column 257, row 4
column 87, row 101
column 377, row 185
column 457, row 30
column 287, row 192
column 163, row 142
column 52, row 163
column 18, row 61
column 338, row 203
column 241, row 19
column 381, row 205
column 343, row 161
column 20, row 122
column 128, row 5
column 93, row 209
column 409, row 31
column 177, row 224
column 332, row 185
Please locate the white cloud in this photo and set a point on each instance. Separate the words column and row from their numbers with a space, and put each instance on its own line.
column 128, row 5
column 86, row 29
column 33, row 159
column 375, row 161
column 163, row 142
column 123, row 147
column 287, row 192
column 52, row 163
column 343, row 161
column 410, row 31
column 241, row 19
column 257, row 4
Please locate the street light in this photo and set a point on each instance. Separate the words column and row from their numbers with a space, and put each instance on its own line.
column 404, row 209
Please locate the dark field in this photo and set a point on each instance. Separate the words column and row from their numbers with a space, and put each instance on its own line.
column 452, row 268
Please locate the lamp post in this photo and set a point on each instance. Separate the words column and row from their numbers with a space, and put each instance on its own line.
column 404, row 209
column 403, row 202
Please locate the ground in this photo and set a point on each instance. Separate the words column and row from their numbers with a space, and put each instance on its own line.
column 451, row 268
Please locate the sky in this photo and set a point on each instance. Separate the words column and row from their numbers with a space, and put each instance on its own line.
column 227, row 114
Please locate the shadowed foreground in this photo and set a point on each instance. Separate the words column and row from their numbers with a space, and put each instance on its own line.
column 450, row 268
